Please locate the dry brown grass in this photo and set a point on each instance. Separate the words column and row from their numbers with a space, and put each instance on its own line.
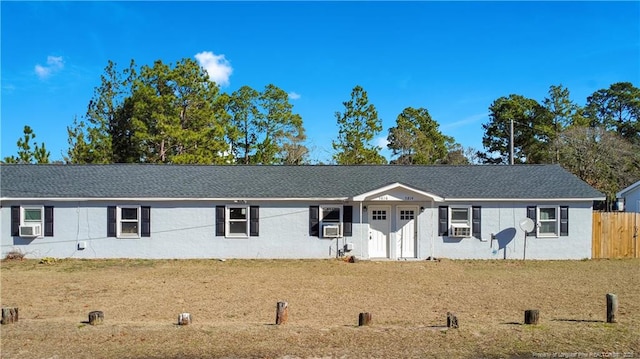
column 233, row 303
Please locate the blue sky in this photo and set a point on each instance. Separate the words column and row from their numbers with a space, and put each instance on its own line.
column 452, row 58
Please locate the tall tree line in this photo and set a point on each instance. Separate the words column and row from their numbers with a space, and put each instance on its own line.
column 414, row 140
column 176, row 114
column 600, row 142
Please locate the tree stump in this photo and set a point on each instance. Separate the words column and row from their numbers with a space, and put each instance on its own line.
column 184, row 319
column 364, row 319
column 612, row 308
column 96, row 317
column 282, row 313
column 9, row 315
column 452, row 320
column 531, row 316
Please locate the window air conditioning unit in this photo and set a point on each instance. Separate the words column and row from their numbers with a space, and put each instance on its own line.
column 460, row 230
column 331, row 230
column 33, row 230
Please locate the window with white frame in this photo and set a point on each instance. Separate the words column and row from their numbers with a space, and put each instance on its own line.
column 129, row 221
column 331, row 215
column 32, row 215
column 32, row 221
column 460, row 215
column 238, row 221
column 460, row 221
column 548, row 221
column 331, row 219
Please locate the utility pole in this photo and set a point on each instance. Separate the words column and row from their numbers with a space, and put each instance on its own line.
column 511, row 141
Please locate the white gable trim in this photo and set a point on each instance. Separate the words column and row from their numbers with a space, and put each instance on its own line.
column 377, row 192
column 623, row 192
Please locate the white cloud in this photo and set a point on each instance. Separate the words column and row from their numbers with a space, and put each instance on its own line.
column 54, row 64
column 382, row 142
column 294, row 96
column 218, row 68
column 42, row 72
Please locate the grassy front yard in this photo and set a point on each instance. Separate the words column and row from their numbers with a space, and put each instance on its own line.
column 233, row 304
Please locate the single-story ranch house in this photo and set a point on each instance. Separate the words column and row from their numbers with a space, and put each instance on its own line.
column 370, row 212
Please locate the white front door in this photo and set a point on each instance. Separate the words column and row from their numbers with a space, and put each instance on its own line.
column 406, row 235
column 379, row 223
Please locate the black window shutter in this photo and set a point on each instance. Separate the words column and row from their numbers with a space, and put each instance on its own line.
column 475, row 221
column 48, row 221
column 145, row 230
column 15, row 221
column 111, row 221
column 254, row 224
column 220, row 221
column 564, row 220
column 531, row 213
column 443, row 221
column 314, row 221
column 347, row 221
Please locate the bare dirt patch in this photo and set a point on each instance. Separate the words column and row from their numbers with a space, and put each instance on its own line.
column 233, row 304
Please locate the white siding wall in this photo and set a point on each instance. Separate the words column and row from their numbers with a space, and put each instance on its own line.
column 503, row 220
column 187, row 231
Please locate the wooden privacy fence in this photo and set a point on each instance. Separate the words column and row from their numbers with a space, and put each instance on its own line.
column 615, row 235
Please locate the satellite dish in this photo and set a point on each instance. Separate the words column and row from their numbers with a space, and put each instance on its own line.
column 527, row 225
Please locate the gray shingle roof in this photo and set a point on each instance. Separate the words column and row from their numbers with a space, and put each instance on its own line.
column 199, row 181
